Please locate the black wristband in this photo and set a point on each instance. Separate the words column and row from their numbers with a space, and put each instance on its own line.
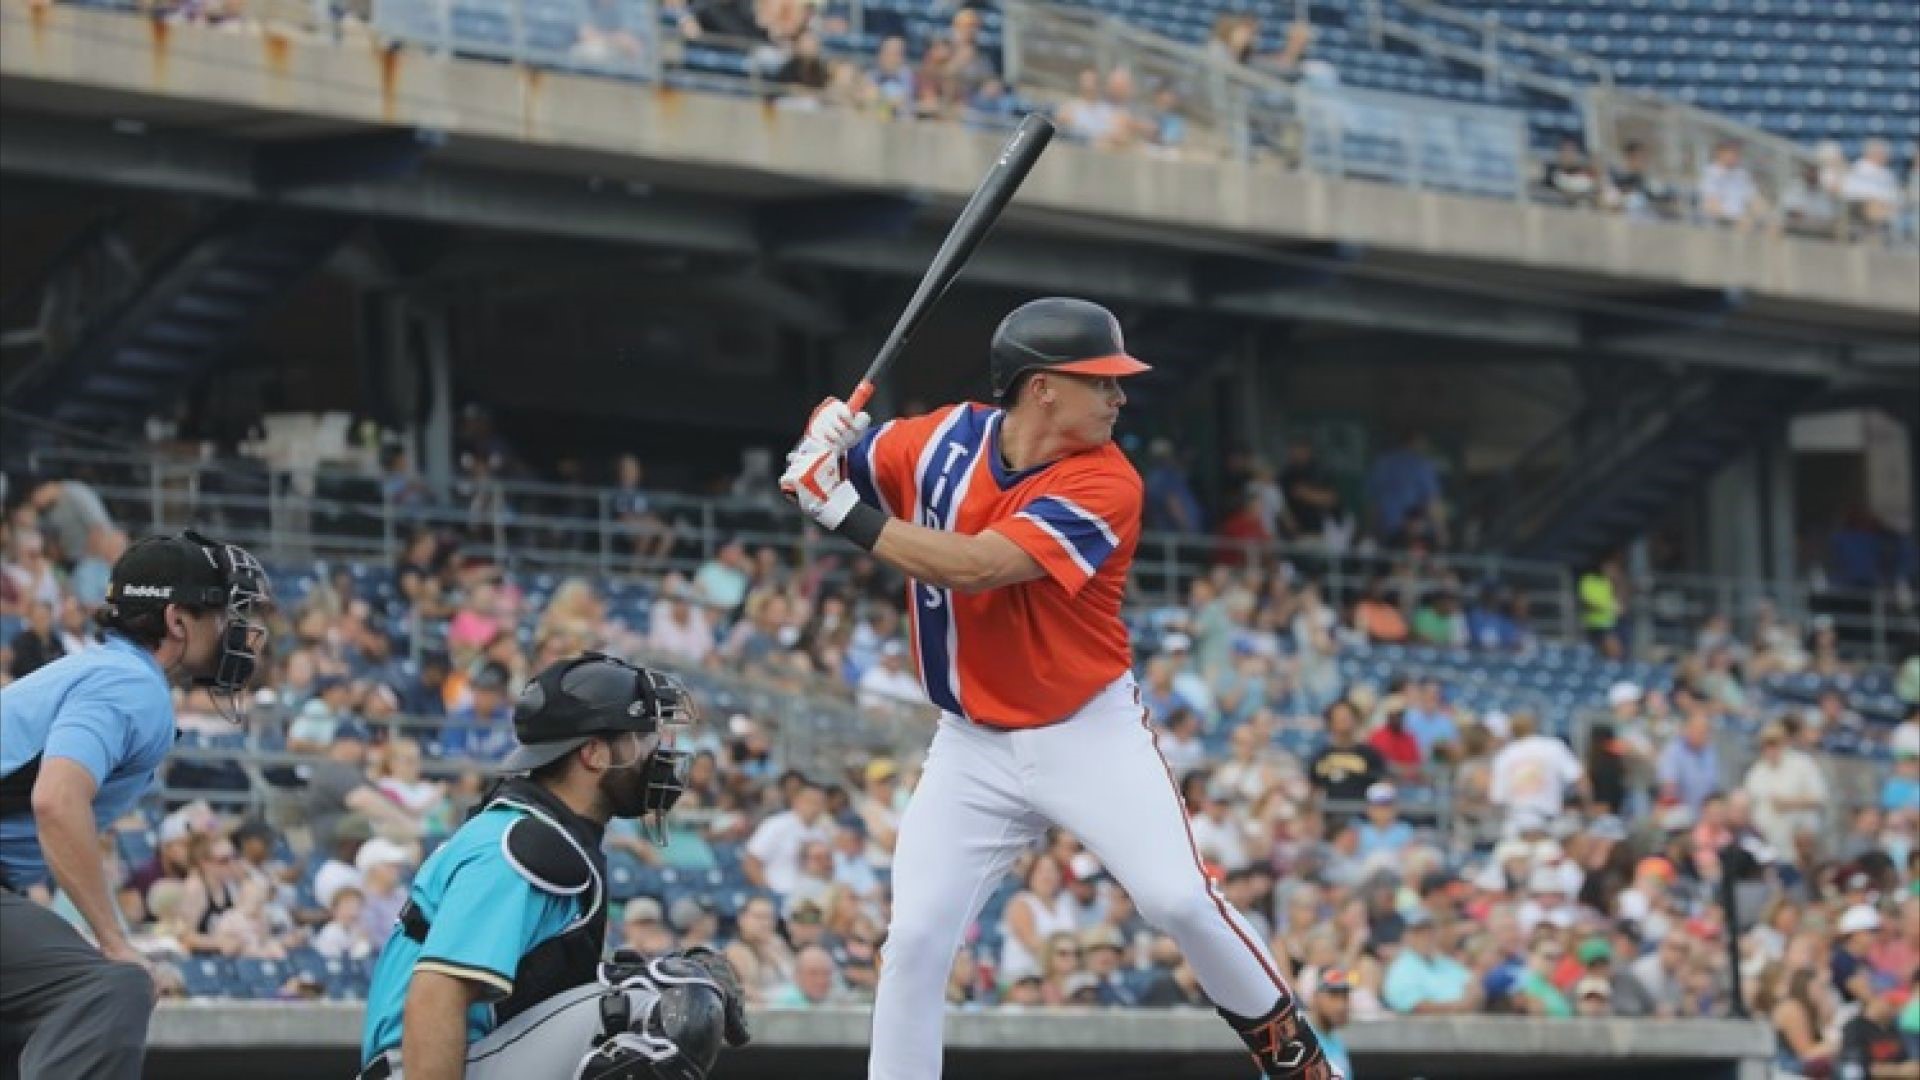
column 862, row 525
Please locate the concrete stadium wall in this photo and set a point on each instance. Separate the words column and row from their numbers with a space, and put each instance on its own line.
column 294, row 1041
column 266, row 84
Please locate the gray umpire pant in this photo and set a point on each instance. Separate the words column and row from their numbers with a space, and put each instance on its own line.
column 65, row 1010
column 547, row 1042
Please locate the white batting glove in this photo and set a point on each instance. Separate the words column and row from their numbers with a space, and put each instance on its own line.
column 813, row 479
column 836, row 425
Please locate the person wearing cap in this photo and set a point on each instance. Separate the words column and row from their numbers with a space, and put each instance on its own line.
column 1383, row 836
column 1423, row 980
column 1854, row 935
column 81, row 740
column 1332, row 1007
column 643, row 927
column 510, row 912
column 889, row 683
column 1789, row 791
column 482, row 727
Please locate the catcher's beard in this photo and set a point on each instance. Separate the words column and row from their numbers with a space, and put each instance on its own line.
column 625, row 789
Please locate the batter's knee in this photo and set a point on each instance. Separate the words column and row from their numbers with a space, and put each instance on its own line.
column 918, row 943
column 1178, row 907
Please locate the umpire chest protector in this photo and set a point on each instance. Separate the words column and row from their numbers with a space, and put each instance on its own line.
column 558, row 851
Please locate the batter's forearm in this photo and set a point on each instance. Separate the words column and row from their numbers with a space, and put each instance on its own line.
column 71, row 843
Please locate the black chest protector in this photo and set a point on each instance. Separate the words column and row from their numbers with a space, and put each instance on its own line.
column 558, row 851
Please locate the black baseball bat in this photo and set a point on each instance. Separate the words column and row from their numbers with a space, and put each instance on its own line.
column 976, row 219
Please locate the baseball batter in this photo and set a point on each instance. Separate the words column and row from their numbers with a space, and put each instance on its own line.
column 1017, row 525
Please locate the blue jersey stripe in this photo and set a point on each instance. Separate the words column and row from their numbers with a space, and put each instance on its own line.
column 944, row 462
column 1089, row 537
column 860, row 468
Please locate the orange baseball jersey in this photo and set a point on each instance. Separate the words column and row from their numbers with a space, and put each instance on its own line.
column 1030, row 654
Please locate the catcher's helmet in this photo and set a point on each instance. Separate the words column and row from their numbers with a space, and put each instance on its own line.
column 587, row 695
column 1058, row 333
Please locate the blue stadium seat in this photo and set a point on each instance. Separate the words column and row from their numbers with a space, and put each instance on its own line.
column 207, row 976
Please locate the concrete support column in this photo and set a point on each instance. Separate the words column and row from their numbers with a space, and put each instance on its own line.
column 1734, row 519
column 429, row 328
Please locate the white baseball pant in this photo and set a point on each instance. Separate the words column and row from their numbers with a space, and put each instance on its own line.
column 986, row 795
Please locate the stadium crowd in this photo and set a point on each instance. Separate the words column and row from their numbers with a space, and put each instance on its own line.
column 953, row 75
column 1403, row 853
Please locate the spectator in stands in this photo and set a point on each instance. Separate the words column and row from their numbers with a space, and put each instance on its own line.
column 805, row 70
column 1424, row 981
column 969, row 67
column 772, row 858
column 1395, row 744
column 1569, row 177
column 39, row 644
column 1603, row 604
column 892, row 78
column 721, row 582
column 482, row 728
column 1171, row 505
column 1431, row 722
column 212, row 886
column 1167, row 121
column 1788, row 790
column 1728, row 195
column 401, row 487
column 643, row 927
column 1313, row 503
column 339, row 786
column 1872, row 191
column 647, row 533
column 890, row 683
column 1439, row 621
column 88, row 583
column 1534, row 773
column 1809, row 208
column 1900, row 792
column 70, row 512
column 1089, row 116
column 1234, row 38
column 1634, row 190
column 344, row 937
column 758, row 953
column 815, row 982
column 1854, row 938
column 1346, row 767
column 1034, row 914
column 1377, row 616
column 1798, row 1001
column 1175, row 987
column 1404, row 494
column 29, row 570
column 678, row 628
column 425, row 801
column 1216, row 835
column 1689, row 768
column 1384, row 837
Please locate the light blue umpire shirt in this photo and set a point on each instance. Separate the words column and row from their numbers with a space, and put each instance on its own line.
column 108, row 709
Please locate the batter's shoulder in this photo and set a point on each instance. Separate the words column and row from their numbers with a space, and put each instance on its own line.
column 1111, row 463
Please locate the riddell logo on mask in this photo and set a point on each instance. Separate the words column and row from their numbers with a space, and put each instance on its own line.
column 147, row 592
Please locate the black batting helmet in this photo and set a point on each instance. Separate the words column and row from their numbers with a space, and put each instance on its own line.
column 1058, row 333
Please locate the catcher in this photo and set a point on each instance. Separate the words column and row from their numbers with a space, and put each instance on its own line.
column 494, row 969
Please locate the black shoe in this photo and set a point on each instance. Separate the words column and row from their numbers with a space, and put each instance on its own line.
column 1283, row 1044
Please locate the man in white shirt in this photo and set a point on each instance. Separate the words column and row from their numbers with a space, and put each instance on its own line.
column 1217, row 836
column 677, row 628
column 889, row 683
column 1870, row 188
column 1787, row 789
column 773, row 852
column 1728, row 195
column 1534, row 772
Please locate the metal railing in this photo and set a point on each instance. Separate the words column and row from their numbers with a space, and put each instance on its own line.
column 1246, row 114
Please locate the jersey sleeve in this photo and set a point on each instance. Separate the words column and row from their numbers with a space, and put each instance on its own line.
column 488, row 919
column 881, row 465
column 1073, row 529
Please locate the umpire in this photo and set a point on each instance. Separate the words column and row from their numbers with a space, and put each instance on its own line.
column 81, row 741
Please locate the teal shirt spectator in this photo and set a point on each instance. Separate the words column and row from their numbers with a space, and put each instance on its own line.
column 1391, row 840
column 1416, row 980
column 485, row 917
column 109, row 710
column 1336, row 1051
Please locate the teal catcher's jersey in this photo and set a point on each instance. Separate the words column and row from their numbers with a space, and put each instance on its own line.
column 484, row 916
